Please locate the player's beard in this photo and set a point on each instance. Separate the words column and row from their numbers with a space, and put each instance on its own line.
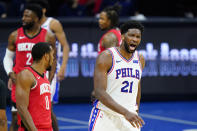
column 49, row 68
column 29, row 25
column 127, row 48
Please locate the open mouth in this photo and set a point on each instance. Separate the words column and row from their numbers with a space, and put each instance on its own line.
column 132, row 47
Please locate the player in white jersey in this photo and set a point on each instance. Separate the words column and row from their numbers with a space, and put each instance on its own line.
column 117, row 76
column 54, row 26
column 55, row 82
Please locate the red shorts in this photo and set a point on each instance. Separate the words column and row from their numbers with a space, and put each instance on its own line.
column 39, row 129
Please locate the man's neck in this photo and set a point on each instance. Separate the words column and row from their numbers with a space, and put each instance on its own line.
column 124, row 52
column 38, row 67
column 43, row 19
column 33, row 31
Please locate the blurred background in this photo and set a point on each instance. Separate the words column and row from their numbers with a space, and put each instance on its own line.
column 169, row 45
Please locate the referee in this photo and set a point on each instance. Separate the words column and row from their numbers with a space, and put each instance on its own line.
column 3, row 118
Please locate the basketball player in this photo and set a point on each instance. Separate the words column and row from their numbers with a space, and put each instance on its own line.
column 117, row 77
column 33, row 91
column 20, row 43
column 108, row 21
column 54, row 26
column 3, row 117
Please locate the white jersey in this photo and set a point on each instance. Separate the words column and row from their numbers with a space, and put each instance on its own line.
column 46, row 25
column 122, row 81
column 54, row 83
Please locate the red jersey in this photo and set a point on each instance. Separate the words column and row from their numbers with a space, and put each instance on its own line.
column 24, row 46
column 118, row 35
column 40, row 102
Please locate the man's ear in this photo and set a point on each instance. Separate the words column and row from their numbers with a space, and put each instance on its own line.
column 37, row 20
column 122, row 37
column 46, row 57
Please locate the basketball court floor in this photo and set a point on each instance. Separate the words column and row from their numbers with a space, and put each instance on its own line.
column 158, row 116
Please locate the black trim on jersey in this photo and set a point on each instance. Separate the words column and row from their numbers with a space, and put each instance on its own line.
column 34, row 35
column 42, row 75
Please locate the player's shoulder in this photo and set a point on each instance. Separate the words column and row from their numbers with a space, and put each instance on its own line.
column 109, row 36
column 25, row 71
column 54, row 22
column 106, row 53
column 14, row 33
column 25, row 74
column 13, row 36
column 55, row 25
column 105, row 56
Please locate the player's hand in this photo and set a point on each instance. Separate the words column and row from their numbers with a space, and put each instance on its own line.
column 60, row 74
column 10, row 84
column 12, row 76
column 134, row 119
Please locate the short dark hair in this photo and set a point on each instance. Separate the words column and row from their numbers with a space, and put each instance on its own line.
column 131, row 25
column 42, row 3
column 113, row 14
column 37, row 9
column 39, row 50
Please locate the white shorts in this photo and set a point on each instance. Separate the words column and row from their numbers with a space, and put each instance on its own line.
column 54, row 85
column 104, row 121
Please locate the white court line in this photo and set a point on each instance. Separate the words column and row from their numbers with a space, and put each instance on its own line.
column 168, row 119
column 72, row 120
column 73, row 127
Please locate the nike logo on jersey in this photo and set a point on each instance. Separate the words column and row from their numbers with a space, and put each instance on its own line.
column 21, row 37
column 118, row 61
column 38, row 77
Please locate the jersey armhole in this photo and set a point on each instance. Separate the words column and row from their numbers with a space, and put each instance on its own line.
column 138, row 56
column 34, row 85
column 113, row 63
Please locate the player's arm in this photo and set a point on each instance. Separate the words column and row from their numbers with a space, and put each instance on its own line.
column 109, row 40
column 57, row 28
column 142, row 61
column 103, row 64
column 25, row 80
column 9, row 56
column 50, row 38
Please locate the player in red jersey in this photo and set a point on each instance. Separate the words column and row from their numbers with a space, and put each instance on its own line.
column 33, row 92
column 108, row 20
column 20, row 43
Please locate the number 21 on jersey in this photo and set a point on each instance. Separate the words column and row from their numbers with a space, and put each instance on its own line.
column 127, row 87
